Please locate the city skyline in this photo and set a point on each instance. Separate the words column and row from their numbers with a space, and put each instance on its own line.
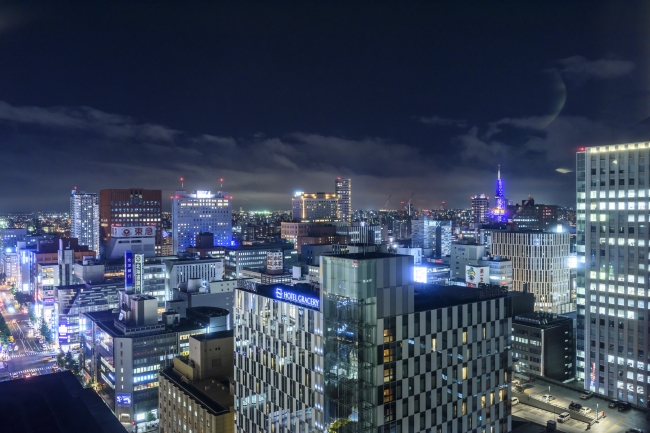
column 424, row 99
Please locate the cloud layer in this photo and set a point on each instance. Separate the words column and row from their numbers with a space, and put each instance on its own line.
column 579, row 67
column 93, row 150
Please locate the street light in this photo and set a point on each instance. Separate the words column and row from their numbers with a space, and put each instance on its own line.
column 596, row 411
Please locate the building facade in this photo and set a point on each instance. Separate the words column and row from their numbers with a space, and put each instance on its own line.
column 433, row 236
column 122, row 353
column 194, row 392
column 131, row 207
column 540, row 262
column 343, row 189
column 368, row 353
column 200, row 212
column 315, row 207
column 532, row 216
column 543, row 344
column 612, row 275
column 480, row 210
column 84, row 219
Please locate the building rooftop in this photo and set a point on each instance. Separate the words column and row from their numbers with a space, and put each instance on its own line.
column 368, row 256
column 541, row 319
column 106, row 321
column 214, row 335
column 210, row 393
column 209, row 311
column 434, row 296
column 54, row 403
column 262, row 246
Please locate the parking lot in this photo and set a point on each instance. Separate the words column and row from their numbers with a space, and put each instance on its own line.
column 614, row 421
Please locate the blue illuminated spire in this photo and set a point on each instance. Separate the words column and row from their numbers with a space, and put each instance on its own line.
column 499, row 183
column 499, row 211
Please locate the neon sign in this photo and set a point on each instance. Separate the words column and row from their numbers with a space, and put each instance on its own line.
column 296, row 298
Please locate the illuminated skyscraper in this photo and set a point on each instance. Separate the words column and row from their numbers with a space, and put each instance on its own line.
column 612, row 276
column 344, row 193
column 314, row 207
column 433, row 236
column 200, row 212
column 132, row 207
column 480, row 209
column 84, row 219
column 500, row 202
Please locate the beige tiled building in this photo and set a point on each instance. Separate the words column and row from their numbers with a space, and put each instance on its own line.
column 195, row 394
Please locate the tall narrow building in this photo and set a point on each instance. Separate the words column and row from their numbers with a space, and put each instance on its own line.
column 131, row 207
column 480, row 210
column 84, row 219
column 612, row 194
column 344, row 193
column 500, row 202
column 200, row 212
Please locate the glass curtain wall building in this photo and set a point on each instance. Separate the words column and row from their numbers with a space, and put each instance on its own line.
column 369, row 354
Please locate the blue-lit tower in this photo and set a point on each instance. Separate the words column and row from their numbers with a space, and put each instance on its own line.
column 501, row 204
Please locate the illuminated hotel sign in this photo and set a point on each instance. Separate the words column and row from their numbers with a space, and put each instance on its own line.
column 305, row 298
column 296, row 298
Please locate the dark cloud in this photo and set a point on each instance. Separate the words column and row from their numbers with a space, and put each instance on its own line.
column 579, row 67
column 93, row 150
column 441, row 121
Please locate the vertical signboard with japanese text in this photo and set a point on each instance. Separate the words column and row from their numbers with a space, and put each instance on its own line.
column 128, row 270
column 138, row 281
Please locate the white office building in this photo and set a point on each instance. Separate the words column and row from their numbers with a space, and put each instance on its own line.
column 613, row 195
column 84, row 219
column 540, row 262
column 200, row 212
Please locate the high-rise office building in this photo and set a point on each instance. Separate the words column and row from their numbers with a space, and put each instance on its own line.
column 434, row 236
column 131, row 207
column 124, row 352
column 612, row 277
column 344, row 193
column 540, row 262
column 315, row 207
column 369, row 352
column 199, row 212
column 84, row 219
column 480, row 210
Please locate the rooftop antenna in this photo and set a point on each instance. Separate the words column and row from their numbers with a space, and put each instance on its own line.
column 221, row 184
column 182, row 179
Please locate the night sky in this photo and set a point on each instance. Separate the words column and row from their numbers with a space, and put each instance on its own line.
column 275, row 97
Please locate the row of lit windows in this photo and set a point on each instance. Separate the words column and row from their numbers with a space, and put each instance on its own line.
column 603, row 217
column 613, row 312
column 621, row 289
